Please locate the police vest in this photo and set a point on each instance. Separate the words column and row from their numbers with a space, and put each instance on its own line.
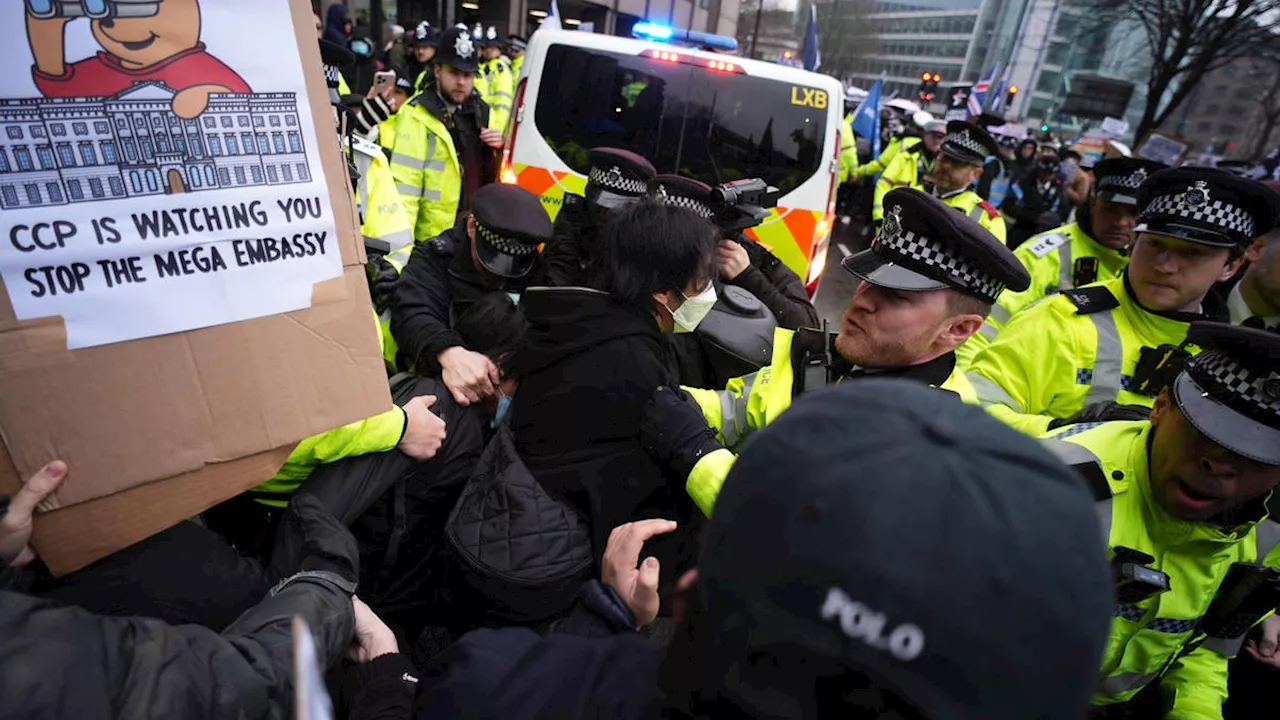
column 1162, row 636
column 424, row 163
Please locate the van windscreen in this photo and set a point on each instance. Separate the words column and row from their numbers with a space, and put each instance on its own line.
column 706, row 124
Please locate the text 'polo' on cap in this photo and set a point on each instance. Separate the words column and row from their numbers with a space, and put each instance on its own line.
column 968, row 143
column 926, row 245
column 681, row 191
column 1206, row 206
column 898, row 532
column 510, row 225
column 1118, row 179
column 617, row 176
column 1230, row 392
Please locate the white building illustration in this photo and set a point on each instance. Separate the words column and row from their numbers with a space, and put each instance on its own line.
column 55, row 151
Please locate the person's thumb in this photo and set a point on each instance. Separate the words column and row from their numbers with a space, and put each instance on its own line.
column 37, row 488
column 649, row 571
column 427, row 400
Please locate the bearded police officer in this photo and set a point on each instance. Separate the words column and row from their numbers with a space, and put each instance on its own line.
column 1092, row 249
column 929, row 279
column 1183, row 499
column 1124, row 340
column 494, row 248
column 961, row 160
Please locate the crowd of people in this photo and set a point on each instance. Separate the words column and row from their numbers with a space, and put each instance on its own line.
column 1012, row 483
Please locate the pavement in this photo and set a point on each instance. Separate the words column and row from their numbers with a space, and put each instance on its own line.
column 837, row 286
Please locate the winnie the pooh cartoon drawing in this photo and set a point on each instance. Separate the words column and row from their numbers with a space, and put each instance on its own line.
column 141, row 40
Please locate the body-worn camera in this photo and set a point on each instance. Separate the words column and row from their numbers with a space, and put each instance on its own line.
column 1135, row 581
column 96, row 9
column 1157, row 368
column 743, row 204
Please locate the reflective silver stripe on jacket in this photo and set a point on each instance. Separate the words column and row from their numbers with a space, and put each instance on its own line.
column 1105, row 384
column 990, row 393
column 1064, row 267
column 1266, row 537
column 733, row 412
column 1121, row 683
column 976, row 213
column 1226, row 647
column 1074, row 454
column 363, row 163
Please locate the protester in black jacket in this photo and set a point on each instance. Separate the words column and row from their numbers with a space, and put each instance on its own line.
column 591, row 363
column 1036, row 201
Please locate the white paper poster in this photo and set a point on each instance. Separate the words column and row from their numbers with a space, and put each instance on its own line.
column 158, row 166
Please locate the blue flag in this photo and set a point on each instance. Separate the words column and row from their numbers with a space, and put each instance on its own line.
column 866, row 119
column 812, row 58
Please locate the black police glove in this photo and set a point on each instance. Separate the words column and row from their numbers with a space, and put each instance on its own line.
column 675, row 432
column 385, row 277
column 1104, row 412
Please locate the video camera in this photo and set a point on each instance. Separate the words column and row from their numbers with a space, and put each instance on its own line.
column 96, row 9
column 742, row 204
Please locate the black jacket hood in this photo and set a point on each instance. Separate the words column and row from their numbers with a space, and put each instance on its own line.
column 565, row 321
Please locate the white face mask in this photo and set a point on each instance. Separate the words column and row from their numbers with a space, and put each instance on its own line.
column 694, row 309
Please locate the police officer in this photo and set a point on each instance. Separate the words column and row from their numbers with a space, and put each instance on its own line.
column 961, row 160
column 442, row 150
column 1122, row 341
column 615, row 179
column 494, row 248
column 848, row 143
column 929, row 278
column 1093, row 248
column 515, row 50
column 911, row 167
column 1183, row 501
column 496, row 82
column 1255, row 300
column 894, row 125
column 743, row 261
column 424, row 41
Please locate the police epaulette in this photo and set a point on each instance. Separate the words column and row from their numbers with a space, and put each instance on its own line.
column 1090, row 300
column 441, row 245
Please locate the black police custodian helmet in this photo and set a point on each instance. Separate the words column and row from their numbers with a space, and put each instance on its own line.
column 888, row 529
column 1230, row 392
column 617, row 177
column 458, row 51
column 1118, row 179
column 968, row 143
column 1207, row 206
column 926, row 245
column 510, row 225
column 424, row 34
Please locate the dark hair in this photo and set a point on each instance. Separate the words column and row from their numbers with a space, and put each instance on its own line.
column 647, row 248
column 493, row 326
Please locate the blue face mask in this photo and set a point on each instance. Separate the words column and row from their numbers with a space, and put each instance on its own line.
column 504, row 404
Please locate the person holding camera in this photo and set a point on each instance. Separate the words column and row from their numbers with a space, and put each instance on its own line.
column 1183, row 499
column 740, row 260
column 929, row 279
column 1037, row 200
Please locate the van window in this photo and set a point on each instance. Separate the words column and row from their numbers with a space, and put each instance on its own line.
column 710, row 125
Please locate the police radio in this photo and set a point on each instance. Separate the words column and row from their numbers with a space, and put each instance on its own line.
column 742, row 204
column 1135, row 580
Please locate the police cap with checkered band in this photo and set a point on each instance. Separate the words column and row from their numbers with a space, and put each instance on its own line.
column 926, row 245
column 968, row 143
column 1230, row 392
column 1206, row 206
column 1117, row 179
column 510, row 225
column 617, row 177
column 684, row 192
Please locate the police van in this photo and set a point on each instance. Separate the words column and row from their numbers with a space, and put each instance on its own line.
column 707, row 115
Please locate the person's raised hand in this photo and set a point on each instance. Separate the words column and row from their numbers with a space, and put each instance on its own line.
column 373, row 638
column 732, row 259
column 470, row 376
column 637, row 586
column 15, row 524
column 424, row 431
column 1266, row 649
column 491, row 137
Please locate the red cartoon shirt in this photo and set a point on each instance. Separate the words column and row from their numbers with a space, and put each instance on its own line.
column 104, row 75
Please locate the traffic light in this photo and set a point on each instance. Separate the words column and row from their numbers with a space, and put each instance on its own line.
column 1008, row 98
column 929, row 85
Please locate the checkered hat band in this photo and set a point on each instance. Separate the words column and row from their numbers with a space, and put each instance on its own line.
column 331, row 75
column 1217, row 213
column 689, row 203
column 1238, row 387
column 1132, row 181
column 930, row 257
column 966, row 142
column 617, row 183
column 505, row 245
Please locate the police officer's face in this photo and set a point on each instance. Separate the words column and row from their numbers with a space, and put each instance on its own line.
column 933, row 141
column 424, row 53
column 490, row 53
column 1194, row 478
column 893, row 328
column 950, row 175
column 1168, row 274
column 455, row 85
column 1261, row 281
column 1113, row 223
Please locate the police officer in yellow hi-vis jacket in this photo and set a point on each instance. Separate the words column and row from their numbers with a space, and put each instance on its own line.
column 1183, row 504
column 961, row 161
column 929, row 279
column 911, row 167
column 443, row 150
column 1093, row 249
column 1124, row 340
column 496, row 81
